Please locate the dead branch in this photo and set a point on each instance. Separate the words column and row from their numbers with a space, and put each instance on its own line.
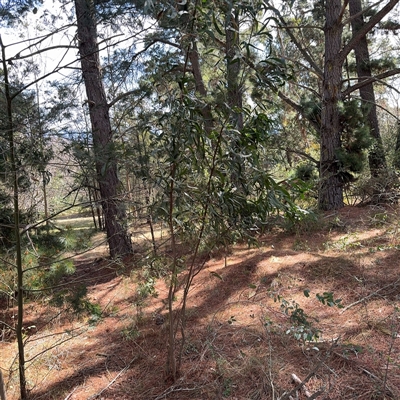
column 96, row 395
column 369, row 296
column 297, row 380
column 301, row 383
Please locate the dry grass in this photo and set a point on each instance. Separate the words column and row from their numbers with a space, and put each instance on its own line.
column 237, row 345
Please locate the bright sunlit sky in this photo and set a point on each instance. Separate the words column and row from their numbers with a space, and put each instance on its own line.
column 34, row 37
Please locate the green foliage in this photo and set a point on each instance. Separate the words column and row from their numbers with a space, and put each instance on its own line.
column 80, row 303
column 45, row 269
column 77, row 300
column 6, row 220
column 236, row 193
column 327, row 299
column 311, row 108
column 355, row 135
column 303, row 328
column 376, row 65
column 146, row 287
column 57, row 271
column 306, row 172
column 76, row 240
column 131, row 332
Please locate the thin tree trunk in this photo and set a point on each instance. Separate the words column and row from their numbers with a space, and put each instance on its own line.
column 193, row 55
column 396, row 160
column 376, row 158
column 234, row 93
column 106, row 165
column 3, row 395
column 18, row 250
column 331, row 189
column 234, row 97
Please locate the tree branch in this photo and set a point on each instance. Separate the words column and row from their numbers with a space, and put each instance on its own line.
column 302, row 50
column 368, row 26
column 373, row 79
column 123, row 96
column 21, row 57
column 298, row 108
column 303, row 154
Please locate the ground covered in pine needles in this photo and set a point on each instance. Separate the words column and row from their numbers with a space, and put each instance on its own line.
column 240, row 343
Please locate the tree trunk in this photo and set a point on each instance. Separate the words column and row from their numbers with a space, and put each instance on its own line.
column 106, row 165
column 396, row 160
column 2, row 388
column 193, row 55
column 376, row 158
column 234, row 96
column 12, row 159
column 331, row 188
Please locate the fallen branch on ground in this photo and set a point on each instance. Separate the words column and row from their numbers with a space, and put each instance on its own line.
column 288, row 396
column 112, row 382
column 369, row 296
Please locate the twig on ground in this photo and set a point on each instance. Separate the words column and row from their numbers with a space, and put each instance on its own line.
column 70, row 394
column 175, row 388
column 297, row 380
column 369, row 296
column 300, row 386
column 94, row 396
column 307, row 393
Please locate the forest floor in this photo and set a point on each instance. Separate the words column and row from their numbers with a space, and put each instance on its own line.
column 240, row 344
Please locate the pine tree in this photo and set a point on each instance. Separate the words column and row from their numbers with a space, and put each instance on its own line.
column 106, row 163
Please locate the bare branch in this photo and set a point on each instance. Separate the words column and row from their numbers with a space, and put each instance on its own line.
column 21, row 57
column 368, row 26
column 303, row 154
column 293, row 38
column 373, row 79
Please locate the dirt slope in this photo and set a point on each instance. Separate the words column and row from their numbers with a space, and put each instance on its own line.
column 240, row 343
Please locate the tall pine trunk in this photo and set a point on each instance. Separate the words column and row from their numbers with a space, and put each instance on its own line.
column 106, row 164
column 376, row 157
column 331, row 189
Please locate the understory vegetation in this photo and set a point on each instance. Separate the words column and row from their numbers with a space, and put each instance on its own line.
column 298, row 312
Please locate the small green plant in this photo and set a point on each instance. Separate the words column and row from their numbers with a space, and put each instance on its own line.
column 78, row 302
column 131, row 332
column 300, row 245
column 146, row 288
column 327, row 299
column 302, row 328
column 227, row 387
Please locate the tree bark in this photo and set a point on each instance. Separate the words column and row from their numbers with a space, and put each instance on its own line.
column 3, row 395
column 396, row 161
column 331, row 188
column 106, row 164
column 234, row 93
column 193, row 55
column 234, row 96
column 12, row 159
column 376, row 157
